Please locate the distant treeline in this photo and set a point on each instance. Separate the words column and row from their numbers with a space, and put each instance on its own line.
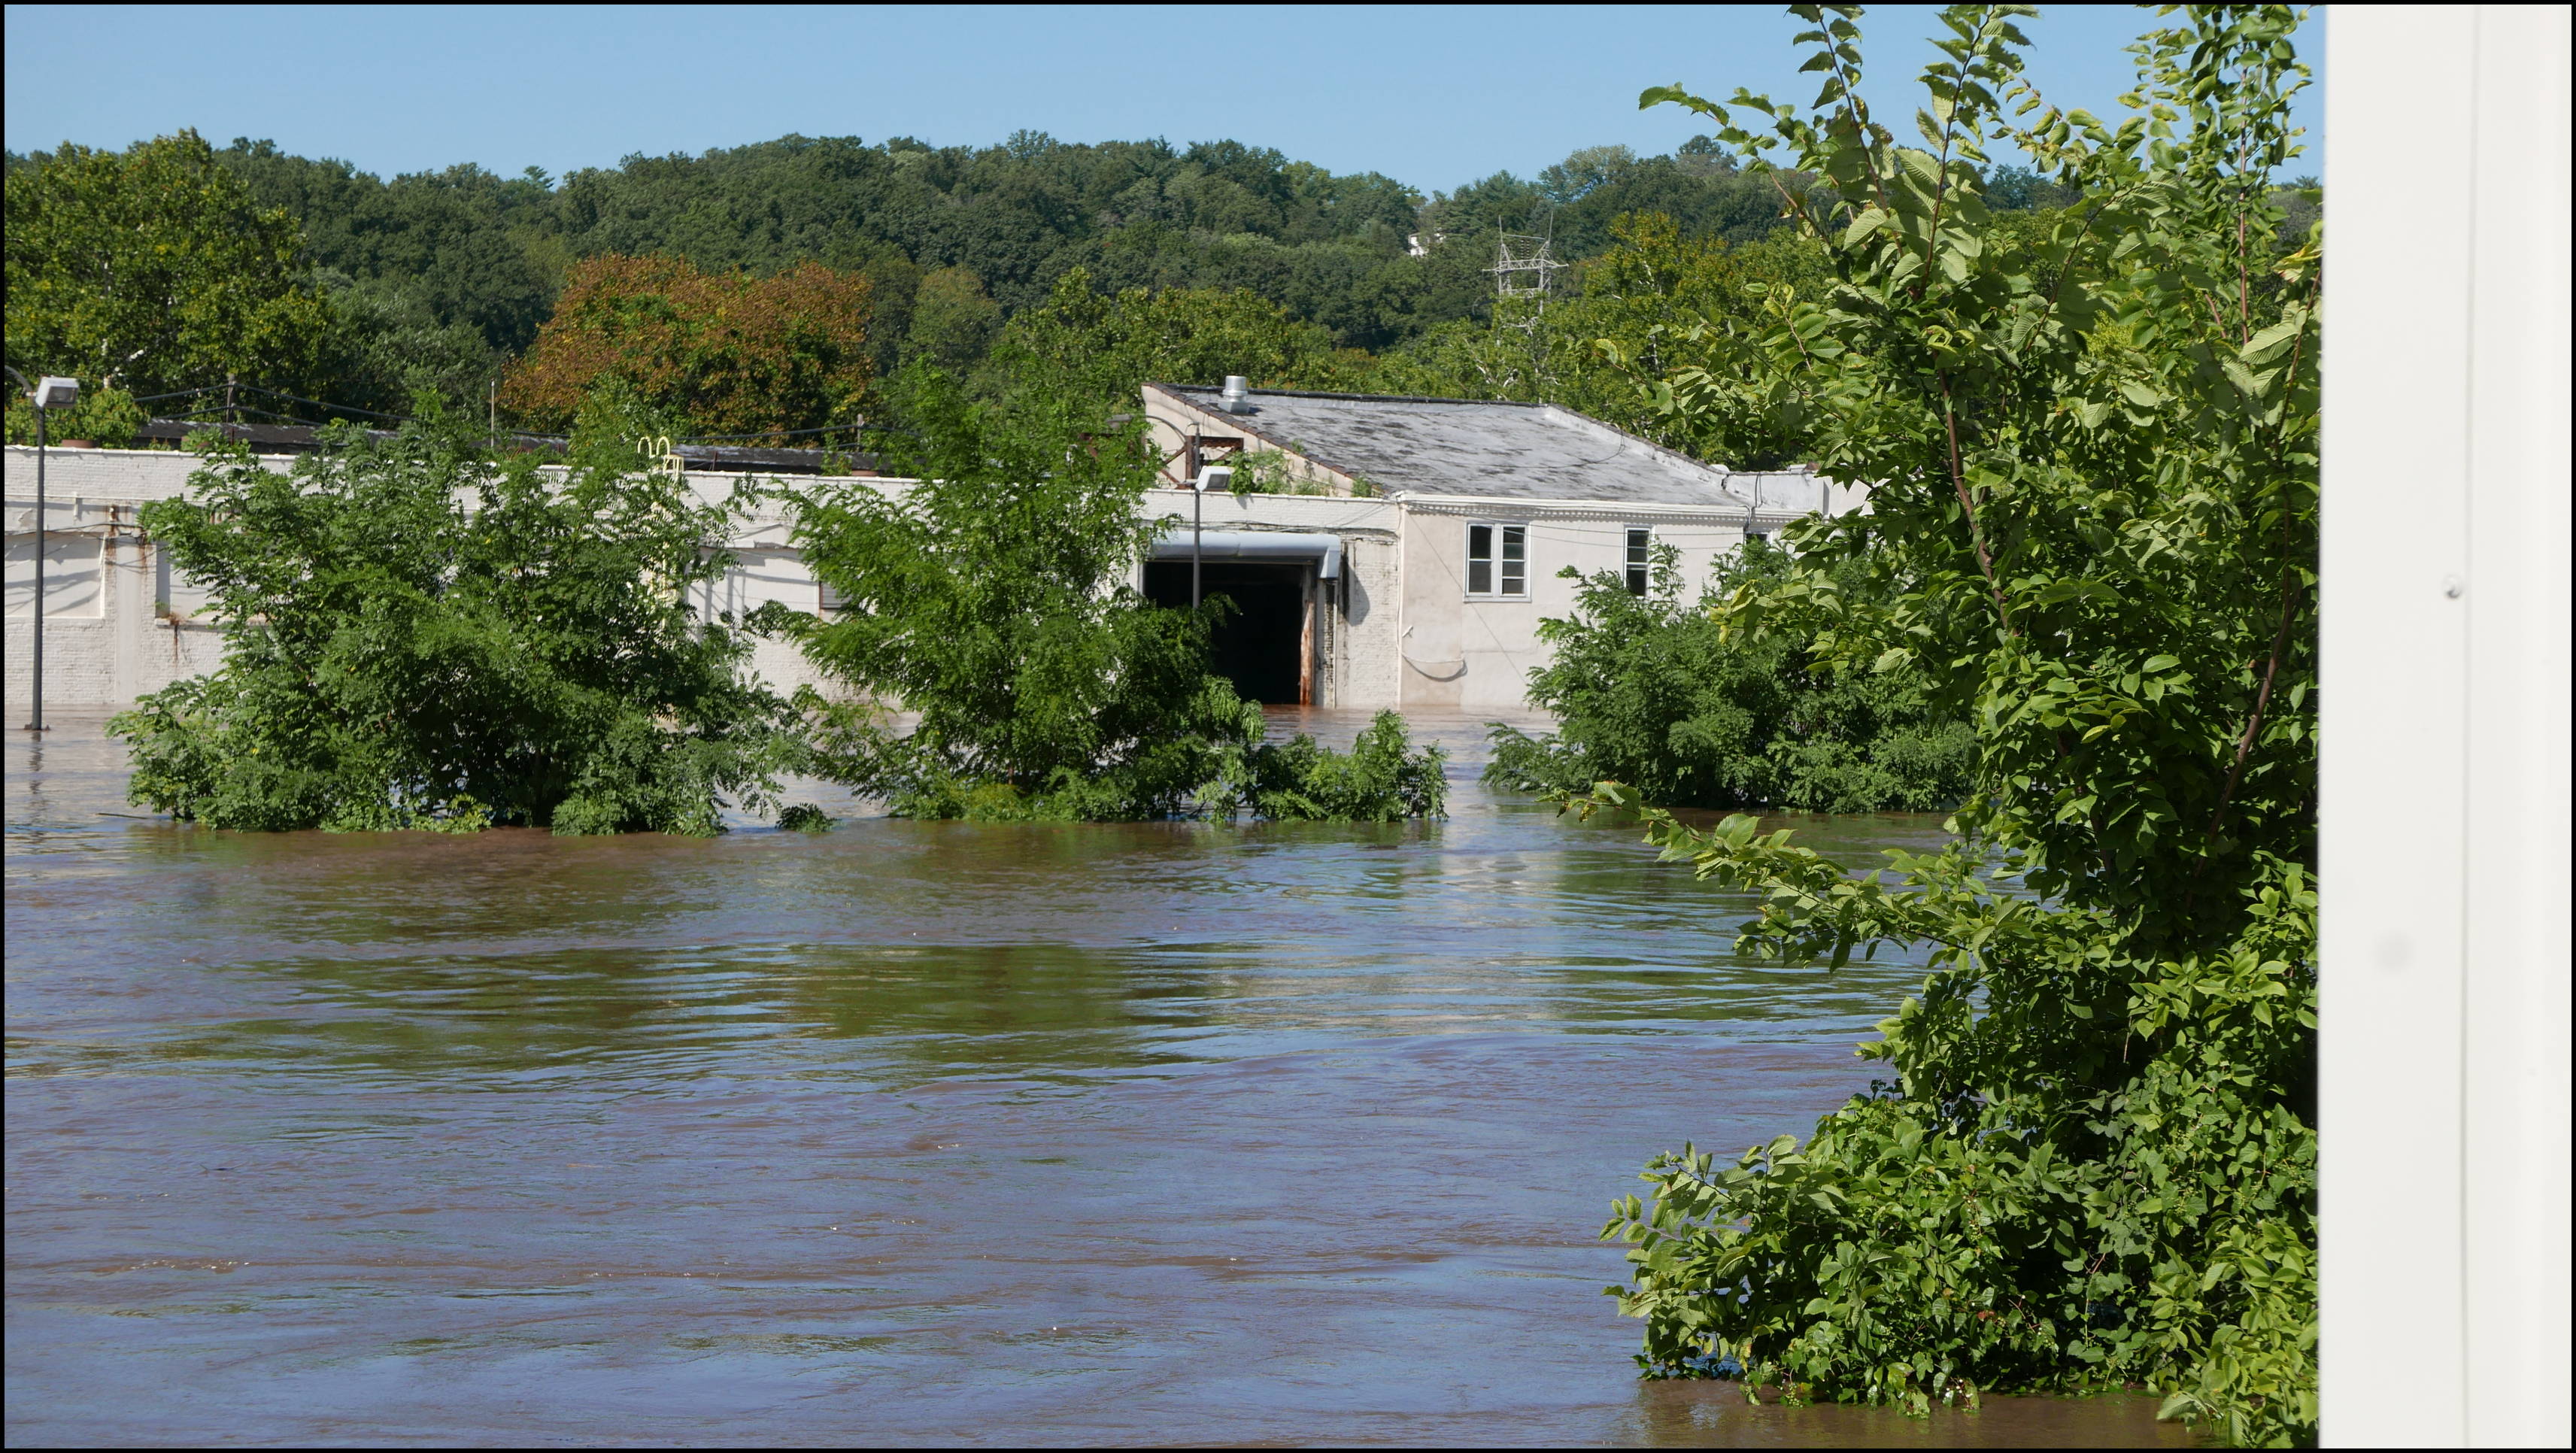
column 444, row 281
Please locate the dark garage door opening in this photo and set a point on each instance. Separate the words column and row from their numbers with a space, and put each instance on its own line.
column 1261, row 648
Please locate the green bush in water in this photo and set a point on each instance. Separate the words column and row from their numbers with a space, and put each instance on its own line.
column 2093, row 523
column 418, row 635
column 994, row 598
column 1665, row 698
column 1380, row 779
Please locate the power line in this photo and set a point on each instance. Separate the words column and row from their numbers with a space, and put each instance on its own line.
column 410, row 419
column 770, row 434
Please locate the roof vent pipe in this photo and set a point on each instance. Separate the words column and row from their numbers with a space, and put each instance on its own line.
column 1233, row 399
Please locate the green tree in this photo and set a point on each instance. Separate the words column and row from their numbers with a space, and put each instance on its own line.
column 152, row 269
column 1604, row 347
column 995, row 600
column 1104, row 348
column 1612, row 346
column 1663, row 697
column 2095, row 526
column 953, row 319
column 106, row 417
column 385, row 347
column 419, row 636
column 460, row 247
column 1363, row 257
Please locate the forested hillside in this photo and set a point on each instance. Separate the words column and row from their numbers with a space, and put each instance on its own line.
column 445, row 280
column 489, row 252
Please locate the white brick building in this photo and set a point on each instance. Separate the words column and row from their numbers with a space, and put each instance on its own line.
column 1414, row 573
column 1470, row 511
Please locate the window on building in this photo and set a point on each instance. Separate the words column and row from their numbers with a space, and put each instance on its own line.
column 1498, row 560
column 1641, row 544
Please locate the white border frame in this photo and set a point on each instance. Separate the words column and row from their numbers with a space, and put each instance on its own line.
column 2443, row 1084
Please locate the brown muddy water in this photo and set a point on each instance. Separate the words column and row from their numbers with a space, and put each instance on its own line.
column 908, row 1133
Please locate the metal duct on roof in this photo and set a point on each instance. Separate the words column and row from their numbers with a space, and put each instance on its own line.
column 1257, row 545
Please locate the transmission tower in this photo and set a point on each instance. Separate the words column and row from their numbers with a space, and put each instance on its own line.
column 1525, row 269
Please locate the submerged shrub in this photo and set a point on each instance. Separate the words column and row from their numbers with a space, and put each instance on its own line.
column 995, row 600
column 1380, row 779
column 417, row 635
column 804, row 817
column 1691, row 709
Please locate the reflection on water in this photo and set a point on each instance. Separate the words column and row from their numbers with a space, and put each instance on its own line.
column 911, row 1132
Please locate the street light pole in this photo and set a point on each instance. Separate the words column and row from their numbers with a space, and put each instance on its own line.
column 48, row 394
column 36, row 722
column 1214, row 476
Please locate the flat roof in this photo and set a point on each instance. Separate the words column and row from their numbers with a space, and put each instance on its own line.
column 1498, row 450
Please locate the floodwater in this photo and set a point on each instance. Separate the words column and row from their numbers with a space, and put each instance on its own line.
column 906, row 1133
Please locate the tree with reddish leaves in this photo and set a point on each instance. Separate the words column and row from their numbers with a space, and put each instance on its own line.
column 735, row 355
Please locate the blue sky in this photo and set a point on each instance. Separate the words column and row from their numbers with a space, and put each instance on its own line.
column 1432, row 96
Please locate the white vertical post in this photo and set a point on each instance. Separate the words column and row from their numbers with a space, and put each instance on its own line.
column 2515, row 954
column 2444, row 740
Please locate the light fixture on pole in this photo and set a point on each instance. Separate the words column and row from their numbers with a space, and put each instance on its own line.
column 1214, row 476
column 48, row 394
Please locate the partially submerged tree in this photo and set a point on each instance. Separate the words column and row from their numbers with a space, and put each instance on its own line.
column 420, row 636
column 1663, row 696
column 2096, row 499
column 995, row 599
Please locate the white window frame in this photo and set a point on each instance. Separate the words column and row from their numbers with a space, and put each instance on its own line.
column 1494, row 563
column 1637, row 558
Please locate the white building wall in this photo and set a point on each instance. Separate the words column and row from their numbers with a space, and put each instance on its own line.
column 1360, row 665
column 1472, row 653
column 1402, row 632
column 109, row 636
column 128, row 631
